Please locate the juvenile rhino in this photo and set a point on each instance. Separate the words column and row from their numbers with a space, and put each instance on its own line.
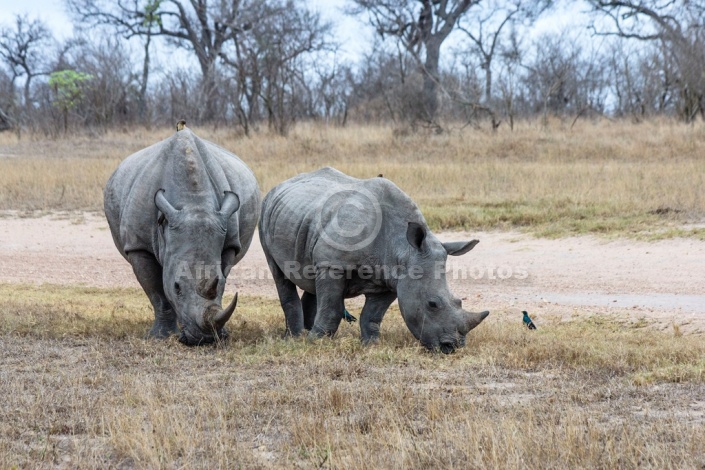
column 337, row 237
column 183, row 212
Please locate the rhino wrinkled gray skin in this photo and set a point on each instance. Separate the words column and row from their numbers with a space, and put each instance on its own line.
column 183, row 212
column 337, row 237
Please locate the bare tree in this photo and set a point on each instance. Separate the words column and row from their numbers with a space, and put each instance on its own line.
column 6, row 100
column 274, row 62
column 421, row 26
column 484, row 28
column 511, row 57
column 23, row 49
column 332, row 92
column 384, row 87
column 113, row 93
column 643, row 80
column 679, row 26
column 565, row 76
column 202, row 26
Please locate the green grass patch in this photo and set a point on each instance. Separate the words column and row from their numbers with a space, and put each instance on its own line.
column 554, row 219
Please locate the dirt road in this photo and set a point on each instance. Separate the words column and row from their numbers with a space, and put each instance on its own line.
column 509, row 272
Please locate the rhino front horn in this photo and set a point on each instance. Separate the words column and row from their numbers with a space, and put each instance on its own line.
column 222, row 317
column 472, row 319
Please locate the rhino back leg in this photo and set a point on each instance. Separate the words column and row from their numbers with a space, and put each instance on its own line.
column 330, row 303
column 308, row 302
column 149, row 274
column 373, row 311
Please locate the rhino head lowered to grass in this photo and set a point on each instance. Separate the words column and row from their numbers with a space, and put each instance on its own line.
column 183, row 212
column 334, row 237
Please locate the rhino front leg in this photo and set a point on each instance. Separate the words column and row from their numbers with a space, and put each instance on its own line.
column 376, row 306
column 330, row 303
column 149, row 274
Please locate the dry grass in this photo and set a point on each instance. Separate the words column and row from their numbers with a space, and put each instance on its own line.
column 645, row 180
column 82, row 390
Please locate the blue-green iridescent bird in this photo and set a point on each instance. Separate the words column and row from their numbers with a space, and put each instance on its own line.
column 348, row 317
column 527, row 320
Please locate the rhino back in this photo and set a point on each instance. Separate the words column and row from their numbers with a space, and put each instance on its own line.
column 191, row 171
column 288, row 221
column 290, row 226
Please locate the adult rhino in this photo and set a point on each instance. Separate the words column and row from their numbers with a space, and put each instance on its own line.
column 183, row 212
column 336, row 237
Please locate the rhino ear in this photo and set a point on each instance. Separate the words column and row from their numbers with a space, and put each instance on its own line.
column 459, row 248
column 231, row 203
column 164, row 205
column 416, row 234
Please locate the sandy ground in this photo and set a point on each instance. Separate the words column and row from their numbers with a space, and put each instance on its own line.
column 662, row 282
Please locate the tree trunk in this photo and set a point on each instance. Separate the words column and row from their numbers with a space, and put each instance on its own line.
column 208, row 89
column 5, row 121
column 24, row 115
column 27, row 97
column 430, row 80
column 488, row 83
column 142, row 100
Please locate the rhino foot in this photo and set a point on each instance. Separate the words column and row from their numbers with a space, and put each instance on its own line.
column 162, row 331
column 291, row 334
column 317, row 333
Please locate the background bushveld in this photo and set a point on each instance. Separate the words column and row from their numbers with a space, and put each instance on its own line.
column 606, row 177
column 273, row 64
column 82, row 390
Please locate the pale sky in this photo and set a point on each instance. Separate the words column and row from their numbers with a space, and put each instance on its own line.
column 352, row 33
column 49, row 11
column 52, row 13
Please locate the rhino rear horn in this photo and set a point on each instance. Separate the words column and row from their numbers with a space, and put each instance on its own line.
column 209, row 288
column 164, row 205
column 231, row 203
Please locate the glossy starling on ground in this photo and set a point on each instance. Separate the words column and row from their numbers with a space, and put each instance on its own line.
column 348, row 318
column 527, row 321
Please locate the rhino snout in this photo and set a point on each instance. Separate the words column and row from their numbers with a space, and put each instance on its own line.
column 446, row 343
column 197, row 337
column 197, row 333
column 206, row 327
column 445, row 346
